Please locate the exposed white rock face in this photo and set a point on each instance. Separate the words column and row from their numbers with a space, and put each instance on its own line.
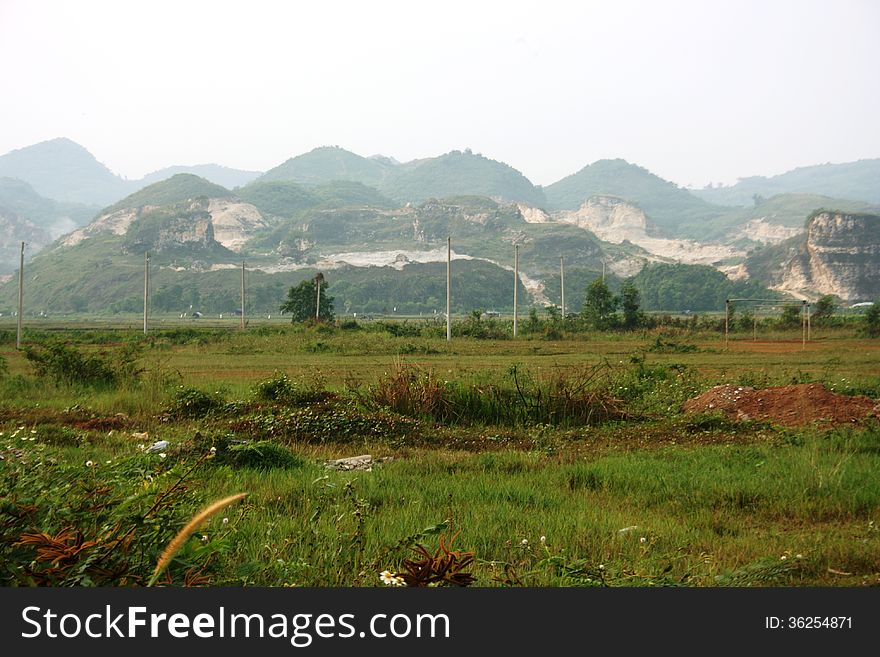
column 761, row 230
column 840, row 256
column 114, row 222
column 609, row 218
column 235, row 222
column 534, row 215
column 614, row 220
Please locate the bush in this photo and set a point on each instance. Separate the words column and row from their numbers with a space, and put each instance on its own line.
column 195, row 403
column 282, row 389
column 262, row 455
column 70, row 366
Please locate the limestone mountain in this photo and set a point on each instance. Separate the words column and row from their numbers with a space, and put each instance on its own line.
column 176, row 214
column 857, row 181
column 460, row 173
column 287, row 200
column 328, row 163
column 64, row 171
column 838, row 254
column 669, row 208
column 13, row 231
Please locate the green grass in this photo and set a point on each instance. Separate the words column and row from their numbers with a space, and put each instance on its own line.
column 703, row 501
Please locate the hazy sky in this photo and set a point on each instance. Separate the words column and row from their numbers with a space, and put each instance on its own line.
column 695, row 91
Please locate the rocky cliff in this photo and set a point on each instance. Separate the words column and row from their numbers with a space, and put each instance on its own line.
column 840, row 255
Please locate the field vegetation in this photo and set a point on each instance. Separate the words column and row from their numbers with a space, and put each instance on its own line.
column 560, row 458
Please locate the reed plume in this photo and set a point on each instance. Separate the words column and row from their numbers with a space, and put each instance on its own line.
column 181, row 537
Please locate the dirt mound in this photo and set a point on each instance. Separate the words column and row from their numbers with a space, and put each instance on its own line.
column 789, row 405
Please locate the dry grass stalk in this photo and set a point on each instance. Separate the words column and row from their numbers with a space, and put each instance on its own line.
column 177, row 542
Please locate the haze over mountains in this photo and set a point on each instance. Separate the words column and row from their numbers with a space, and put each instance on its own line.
column 333, row 209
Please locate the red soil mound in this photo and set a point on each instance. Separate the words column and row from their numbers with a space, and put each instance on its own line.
column 789, row 405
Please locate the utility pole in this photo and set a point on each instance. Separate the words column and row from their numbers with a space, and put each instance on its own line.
column 241, row 325
column 726, row 321
column 20, row 297
column 603, row 271
column 448, row 289
column 515, row 287
column 804, row 324
column 319, row 278
column 562, row 283
column 146, row 288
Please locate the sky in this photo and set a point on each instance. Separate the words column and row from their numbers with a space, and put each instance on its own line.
column 695, row 91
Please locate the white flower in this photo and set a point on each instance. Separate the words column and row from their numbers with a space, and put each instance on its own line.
column 798, row 556
column 525, row 541
column 390, row 579
column 213, row 450
column 33, row 431
column 162, row 455
column 89, row 464
column 643, row 540
column 543, row 539
column 783, row 557
column 204, row 538
column 225, row 521
column 108, row 462
column 601, row 566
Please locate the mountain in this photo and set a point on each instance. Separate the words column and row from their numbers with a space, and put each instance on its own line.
column 215, row 173
column 289, row 199
column 55, row 217
column 675, row 211
column 839, row 254
column 64, row 171
column 857, row 181
column 185, row 214
column 13, row 231
column 327, row 163
column 460, row 173
column 178, row 188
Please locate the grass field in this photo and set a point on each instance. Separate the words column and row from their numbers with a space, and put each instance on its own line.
column 556, row 462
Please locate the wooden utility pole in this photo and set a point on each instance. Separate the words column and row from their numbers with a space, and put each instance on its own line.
column 319, row 278
column 146, row 288
column 448, row 289
column 726, row 321
column 562, row 283
column 804, row 324
column 20, row 297
column 515, row 288
column 241, row 324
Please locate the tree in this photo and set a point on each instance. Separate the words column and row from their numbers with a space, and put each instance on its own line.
column 825, row 307
column 630, row 301
column 302, row 302
column 872, row 320
column 791, row 317
column 599, row 306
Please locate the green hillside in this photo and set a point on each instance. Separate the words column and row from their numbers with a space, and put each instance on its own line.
column 62, row 170
column 460, row 173
column 793, row 209
column 278, row 198
column 20, row 198
column 672, row 209
column 321, row 165
column 857, row 181
column 480, row 227
column 179, row 188
column 698, row 288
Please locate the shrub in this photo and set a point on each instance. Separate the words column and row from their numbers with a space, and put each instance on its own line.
column 192, row 402
column 280, row 388
column 262, row 455
column 70, row 366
